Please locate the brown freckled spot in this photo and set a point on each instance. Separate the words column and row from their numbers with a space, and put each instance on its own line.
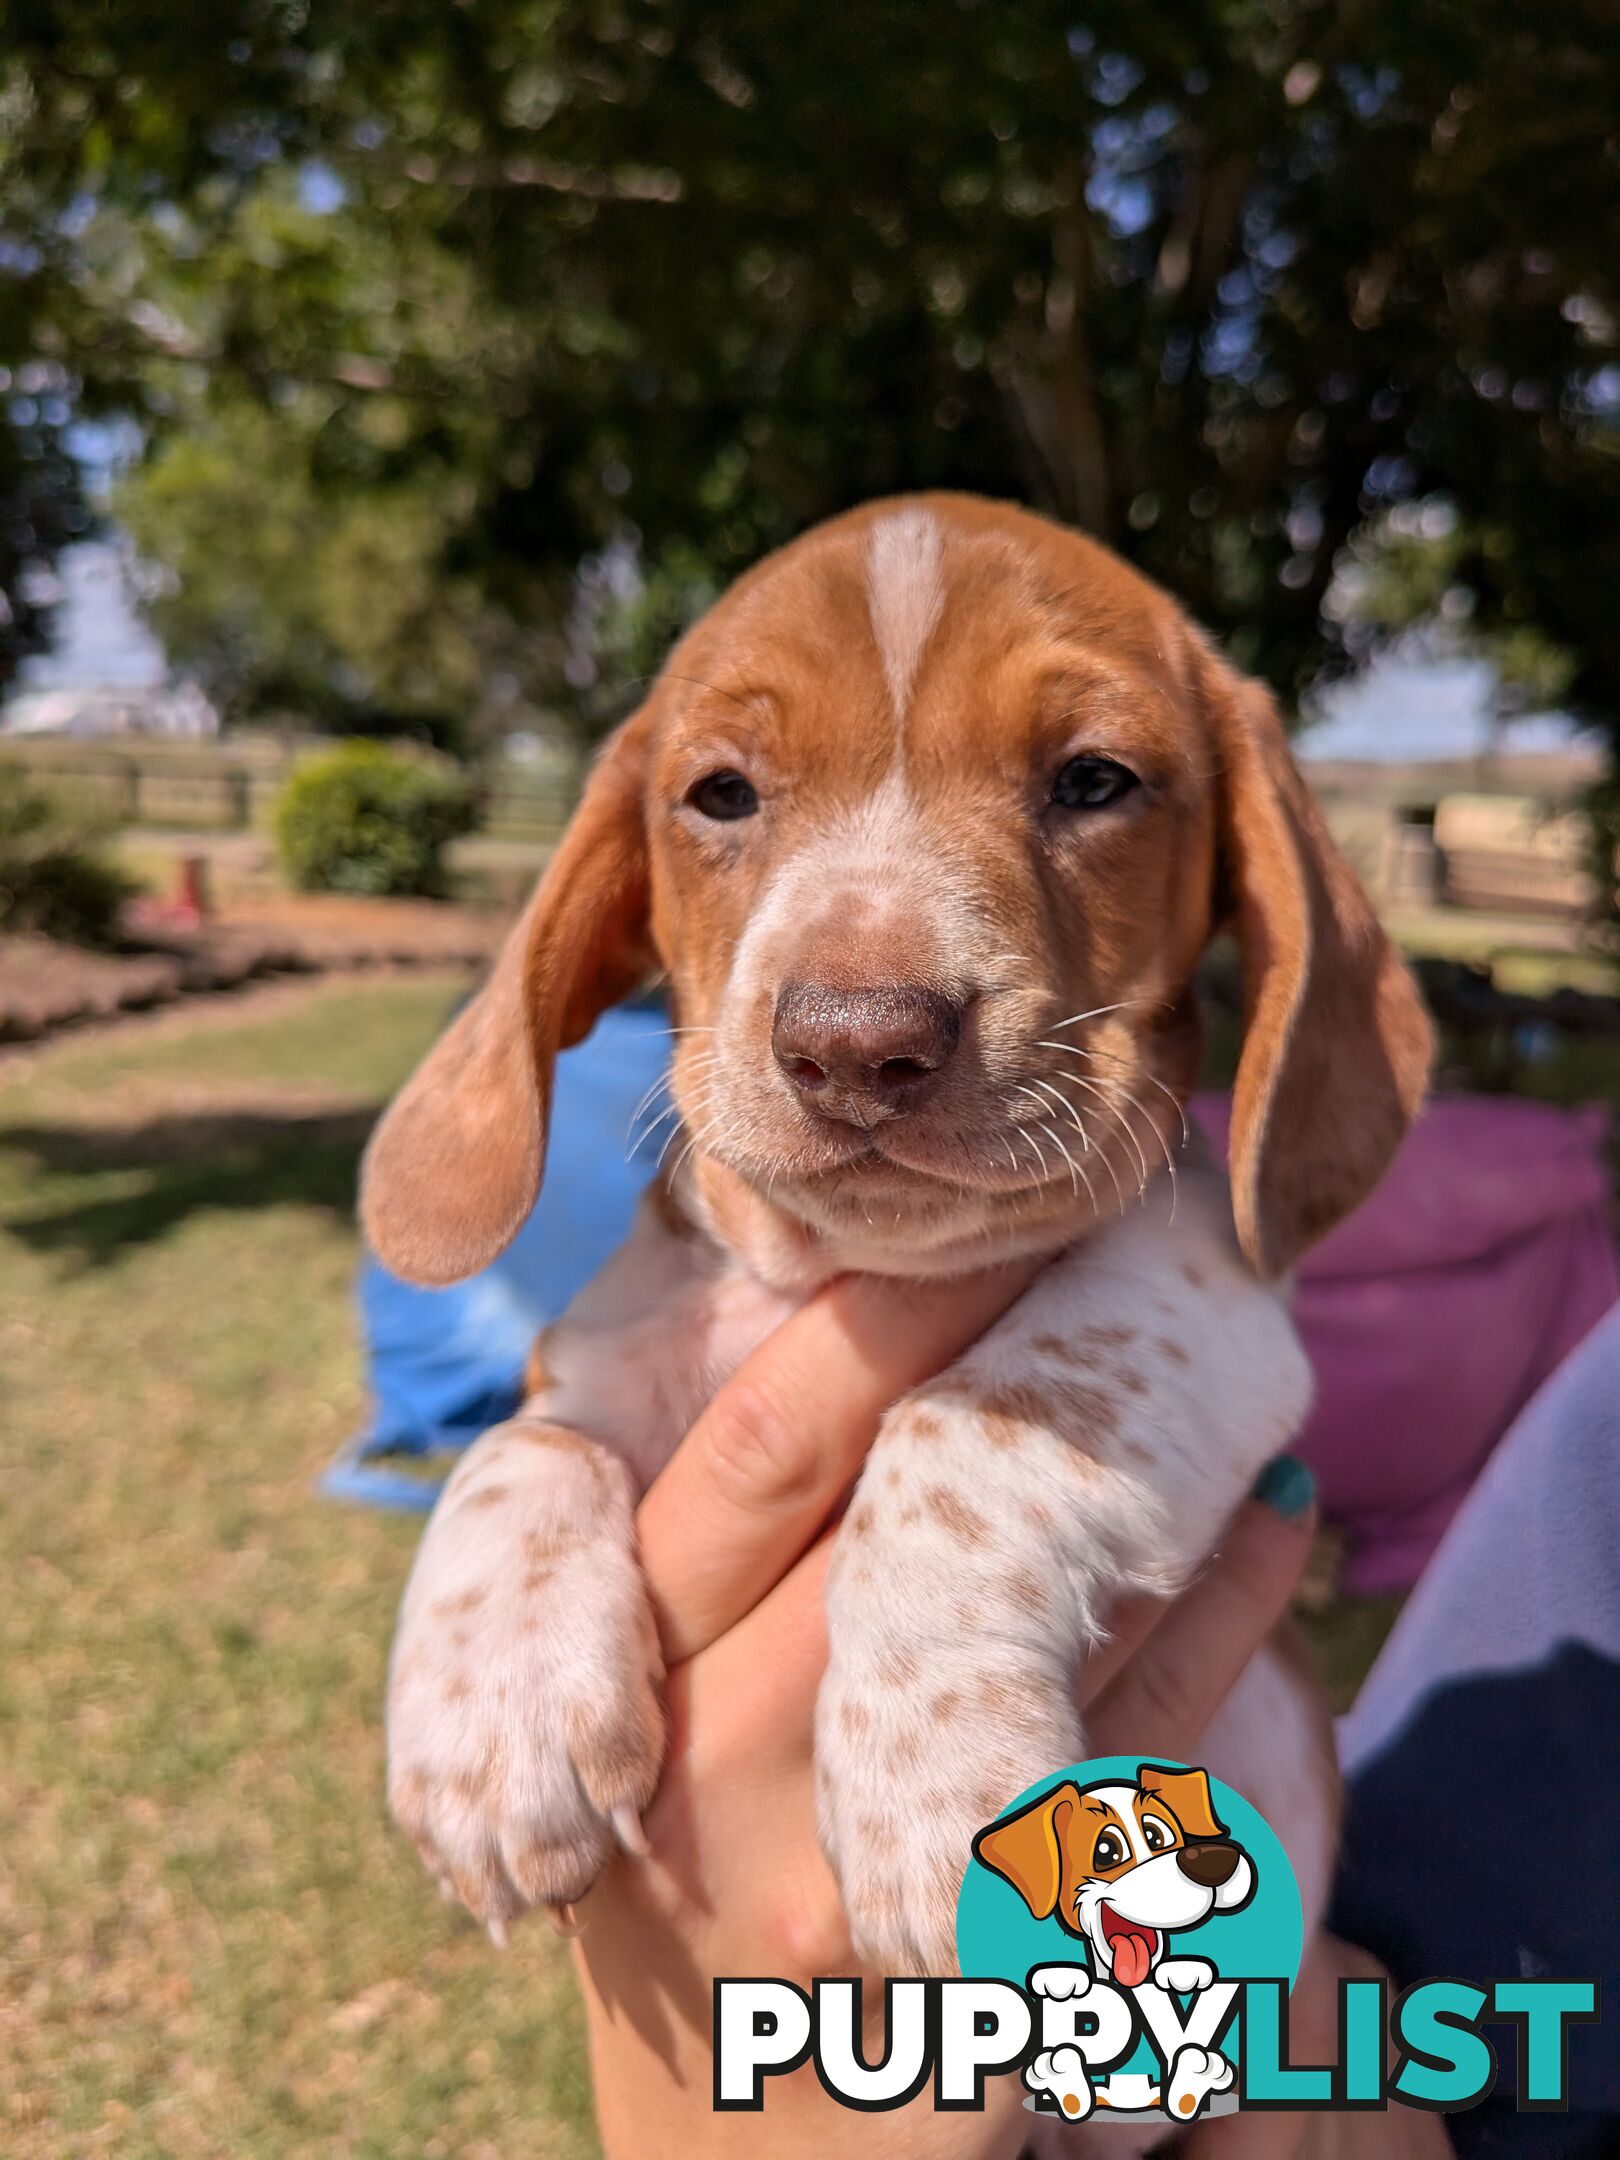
column 898, row 1668
column 906, row 1752
column 908, row 1515
column 891, row 1477
column 1132, row 1383
column 858, row 1523
column 1022, row 1400
column 877, row 1830
column 963, row 1522
column 458, row 1689
column 921, row 1423
column 1192, row 1274
column 537, row 1578
column 541, row 1545
column 1027, row 1589
column 1039, row 1514
column 555, row 1437
column 854, row 1717
column 410, row 1789
column 946, row 1704
column 612, row 1758
column 879, row 1904
column 1086, row 1411
column 470, row 1890
column 1169, row 1348
column 451, row 1608
column 469, row 1786
column 1135, row 1451
column 1063, row 1352
column 968, row 1616
column 862, row 1576
column 1111, row 1338
column 461, row 1637
column 487, row 1496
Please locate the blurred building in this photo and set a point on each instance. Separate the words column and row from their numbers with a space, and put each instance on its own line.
column 105, row 674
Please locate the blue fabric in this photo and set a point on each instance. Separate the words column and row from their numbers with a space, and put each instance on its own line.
column 445, row 1365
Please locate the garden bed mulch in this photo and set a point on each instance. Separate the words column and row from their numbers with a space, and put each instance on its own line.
column 46, row 986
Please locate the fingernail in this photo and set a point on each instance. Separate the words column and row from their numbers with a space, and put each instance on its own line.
column 1288, row 1485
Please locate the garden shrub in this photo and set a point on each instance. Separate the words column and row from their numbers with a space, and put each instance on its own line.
column 364, row 818
column 55, row 878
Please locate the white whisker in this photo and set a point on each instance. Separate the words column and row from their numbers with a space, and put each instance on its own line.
column 1107, row 1162
column 1047, row 1087
column 1113, row 1057
column 1097, row 1012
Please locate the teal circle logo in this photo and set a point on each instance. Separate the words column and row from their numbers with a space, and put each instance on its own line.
column 1146, row 1874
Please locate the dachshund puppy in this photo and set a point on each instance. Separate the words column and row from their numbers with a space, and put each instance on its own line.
column 925, row 825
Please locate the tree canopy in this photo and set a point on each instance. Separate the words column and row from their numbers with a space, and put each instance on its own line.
column 472, row 346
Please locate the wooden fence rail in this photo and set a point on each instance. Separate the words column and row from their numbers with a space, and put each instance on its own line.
column 218, row 789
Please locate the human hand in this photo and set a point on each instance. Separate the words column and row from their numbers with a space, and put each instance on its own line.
column 733, row 1547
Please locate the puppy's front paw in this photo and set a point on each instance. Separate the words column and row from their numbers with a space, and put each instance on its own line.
column 920, row 1741
column 524, row 1727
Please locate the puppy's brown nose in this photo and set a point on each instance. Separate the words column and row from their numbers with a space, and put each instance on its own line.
column 863, row 1055
column 1208, row 1865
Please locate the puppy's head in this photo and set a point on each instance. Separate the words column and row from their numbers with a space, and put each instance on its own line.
column 927, row 823
column 1121, row 1866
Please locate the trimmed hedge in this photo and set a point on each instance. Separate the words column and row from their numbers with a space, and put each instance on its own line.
column 364, row 818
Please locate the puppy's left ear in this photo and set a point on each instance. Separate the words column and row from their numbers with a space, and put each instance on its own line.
column 1026, row 1849
column 1337, row 1045
column 1186, row 1793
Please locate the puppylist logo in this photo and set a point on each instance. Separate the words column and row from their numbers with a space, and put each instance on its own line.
column 1128, row 1933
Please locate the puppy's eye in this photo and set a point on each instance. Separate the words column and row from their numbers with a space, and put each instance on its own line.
column 1109, row 1849
column 724, row 795
column 1155, row 1836
column 1092, row 783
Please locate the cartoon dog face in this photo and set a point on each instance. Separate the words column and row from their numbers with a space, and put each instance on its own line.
column 1122, row 1866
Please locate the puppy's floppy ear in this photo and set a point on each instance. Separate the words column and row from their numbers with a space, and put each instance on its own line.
column 454, row 1166
column 1027, row 1849
column 1337, row 1046
column 1187, row 1795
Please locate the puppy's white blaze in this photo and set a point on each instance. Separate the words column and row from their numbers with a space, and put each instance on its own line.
column 905, row 595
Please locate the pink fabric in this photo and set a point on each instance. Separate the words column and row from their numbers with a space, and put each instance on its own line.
column 1435, row 1312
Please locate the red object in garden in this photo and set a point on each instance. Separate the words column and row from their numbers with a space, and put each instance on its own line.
column 187, row 908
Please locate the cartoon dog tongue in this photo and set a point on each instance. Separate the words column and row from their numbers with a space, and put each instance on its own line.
column 1133, row 1947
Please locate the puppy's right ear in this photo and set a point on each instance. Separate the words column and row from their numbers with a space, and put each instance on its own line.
column 454, row 1166
column 1027, row 1848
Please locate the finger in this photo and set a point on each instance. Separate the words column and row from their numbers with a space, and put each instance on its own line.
column 1167, row 1693
column 763, row 1467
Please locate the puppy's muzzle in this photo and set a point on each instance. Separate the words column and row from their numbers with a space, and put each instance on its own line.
column 863, row 1055
column 1208, row 1865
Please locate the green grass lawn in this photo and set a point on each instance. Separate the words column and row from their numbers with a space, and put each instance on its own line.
column 210, row 1941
